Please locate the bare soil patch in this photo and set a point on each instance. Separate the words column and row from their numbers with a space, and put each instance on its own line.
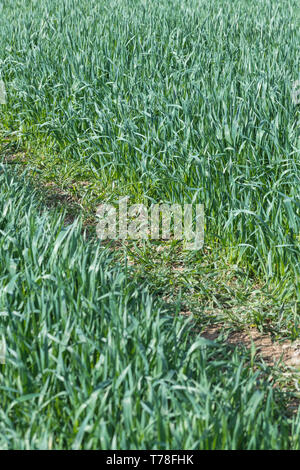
column 270, row 351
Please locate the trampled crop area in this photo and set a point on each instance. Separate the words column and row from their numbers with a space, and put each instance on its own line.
column 182, row 102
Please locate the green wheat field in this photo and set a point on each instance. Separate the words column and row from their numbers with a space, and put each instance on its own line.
column 182, row 101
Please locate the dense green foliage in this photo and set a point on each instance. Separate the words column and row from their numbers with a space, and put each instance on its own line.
column 94, row 362
column 164, row 101
column 177, row 101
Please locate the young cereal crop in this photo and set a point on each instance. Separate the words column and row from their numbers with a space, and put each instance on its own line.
column 182, row 101
column 94, row 362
